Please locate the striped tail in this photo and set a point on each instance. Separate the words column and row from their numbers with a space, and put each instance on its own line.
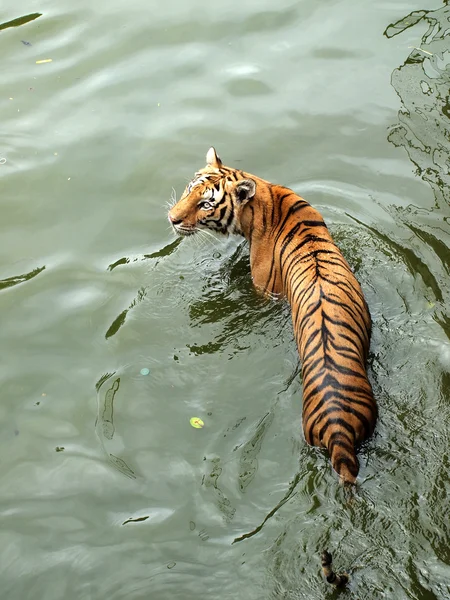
column 341, row 448
column 329, row 574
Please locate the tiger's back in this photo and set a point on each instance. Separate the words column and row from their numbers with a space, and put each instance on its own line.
column 332, row 328
column 292, row 254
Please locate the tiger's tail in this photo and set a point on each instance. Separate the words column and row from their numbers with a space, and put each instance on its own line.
column 343, row 456
column 332, row 577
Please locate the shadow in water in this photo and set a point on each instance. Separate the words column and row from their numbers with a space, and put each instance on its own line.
column 422, row 84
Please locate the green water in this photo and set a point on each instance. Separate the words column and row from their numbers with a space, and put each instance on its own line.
column 106, row 491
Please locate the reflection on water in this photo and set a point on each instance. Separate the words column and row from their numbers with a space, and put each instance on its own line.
column 248, row 452
column 10, row 281
column 422, row 84
column 135, row 520
column 104, row 424
column 20, row 21
column 120, row 319
column 274, row 510
column 211, row 480
column 107, row 416
column 413, row 262
column 229, row 298
column 248, row 462
column 167, row 250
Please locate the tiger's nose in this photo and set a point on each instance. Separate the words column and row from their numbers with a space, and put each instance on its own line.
column 174, row 221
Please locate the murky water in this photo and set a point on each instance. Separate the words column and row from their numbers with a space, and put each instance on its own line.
column 106, row 490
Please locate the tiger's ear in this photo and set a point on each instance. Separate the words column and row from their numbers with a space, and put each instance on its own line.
column 244, row 190
column 212, row 159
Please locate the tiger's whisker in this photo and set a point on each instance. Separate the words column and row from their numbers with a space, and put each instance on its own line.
column 208, row 233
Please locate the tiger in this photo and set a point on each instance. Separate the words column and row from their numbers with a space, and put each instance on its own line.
column 293, row 256
column 340, row 580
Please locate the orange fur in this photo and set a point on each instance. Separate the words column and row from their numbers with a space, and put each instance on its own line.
column 293, row 255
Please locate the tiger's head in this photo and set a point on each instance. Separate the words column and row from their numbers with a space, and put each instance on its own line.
column 213, row 200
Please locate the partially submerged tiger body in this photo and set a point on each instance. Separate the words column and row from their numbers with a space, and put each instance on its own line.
column 292, row 254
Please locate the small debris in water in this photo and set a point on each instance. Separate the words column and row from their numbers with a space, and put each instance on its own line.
column 44, row 60
column 196, row 422
column 25, row 43
column 171, row 565
column 59, row 448
column 145, row 371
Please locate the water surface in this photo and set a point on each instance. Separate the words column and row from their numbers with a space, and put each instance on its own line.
column 106, row 490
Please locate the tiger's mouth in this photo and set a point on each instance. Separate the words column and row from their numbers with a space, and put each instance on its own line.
column 184, row 230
